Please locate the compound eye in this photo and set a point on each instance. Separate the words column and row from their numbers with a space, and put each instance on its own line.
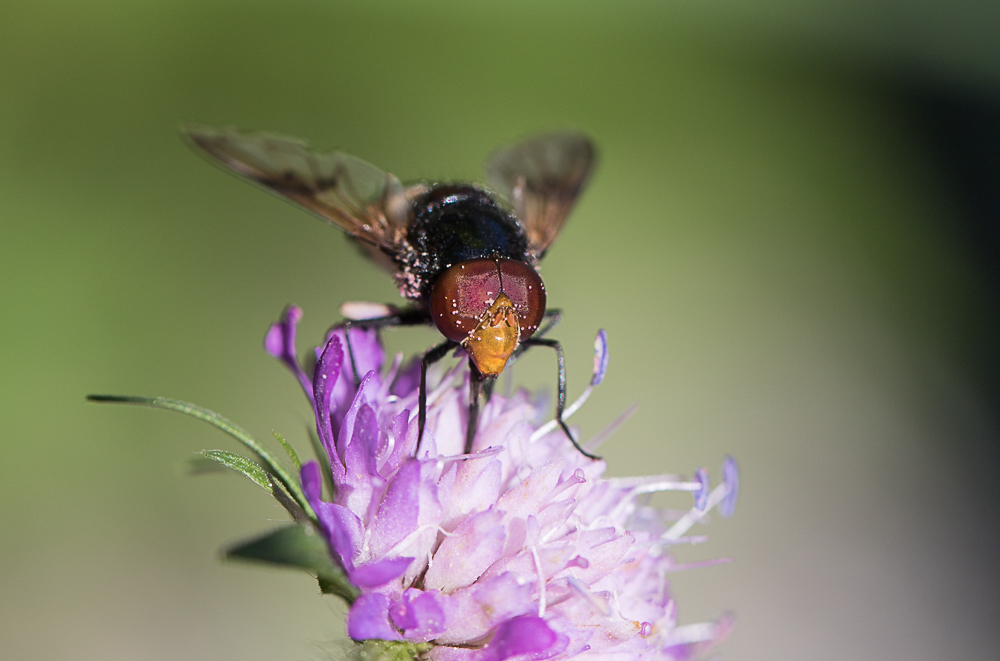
column 462, row 294
column 527, row 293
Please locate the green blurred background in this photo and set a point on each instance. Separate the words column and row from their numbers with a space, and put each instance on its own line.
column 791, row 239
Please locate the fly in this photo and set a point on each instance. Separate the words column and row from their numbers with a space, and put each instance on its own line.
column 464, row 256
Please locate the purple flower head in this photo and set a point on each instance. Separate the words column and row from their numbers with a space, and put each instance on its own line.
column 518, row 550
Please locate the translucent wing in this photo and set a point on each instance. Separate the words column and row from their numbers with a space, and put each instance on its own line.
column 542, row 178
column 367, row 203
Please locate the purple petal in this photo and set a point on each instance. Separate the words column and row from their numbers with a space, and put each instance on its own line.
column 600, row 357
column 342, row 529
column 327, row 372
column 343, row 532
column 400, row 424
column 346, row 432
column 398, row 511
column 280, row 343
column 731, row 478
column 359, row 481
column 369, row 618
column 367, row 353
column 464, row 555
column 701, row 495
column 274, row 341
column 374, row 574
column 527, row 635
column 364, row 443
column 486, row 603
column 476, row 489
column 312, row 481
column 420, row 614
column 408, row 380
column 602, row 556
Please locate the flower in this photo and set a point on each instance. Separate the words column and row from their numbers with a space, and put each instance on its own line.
column 519, row 549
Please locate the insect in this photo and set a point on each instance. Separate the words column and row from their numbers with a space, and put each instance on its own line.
column 464, row 256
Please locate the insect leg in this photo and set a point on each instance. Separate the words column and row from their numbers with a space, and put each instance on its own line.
column 476, row 386
column 409, row 317
column 430, row 357
column 488, row 385
column 561, row 398
column 554, row 315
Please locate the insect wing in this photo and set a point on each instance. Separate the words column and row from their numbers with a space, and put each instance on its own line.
column 367, row 203
column 542, row 178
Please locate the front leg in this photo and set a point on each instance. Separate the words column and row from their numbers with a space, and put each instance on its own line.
column 391, row 316
column 430, row 357
column 561, row 398
column 477, row 384
column 554, row 316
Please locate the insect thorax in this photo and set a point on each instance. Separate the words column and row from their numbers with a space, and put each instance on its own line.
column 455, row 223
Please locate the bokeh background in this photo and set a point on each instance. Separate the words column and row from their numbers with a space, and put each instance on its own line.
column 792, row 240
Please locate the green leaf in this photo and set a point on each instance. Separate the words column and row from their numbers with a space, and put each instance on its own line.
column 297, row 546
column 241, row 464
column 269, row 463
column 323, row 459
column 389, row 650
column 289, row 450
column 202, row 465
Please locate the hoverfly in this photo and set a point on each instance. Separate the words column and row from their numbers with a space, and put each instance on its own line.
column 464, row 256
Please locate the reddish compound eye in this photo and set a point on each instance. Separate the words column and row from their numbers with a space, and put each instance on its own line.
column 525, row 289
column 466, row 290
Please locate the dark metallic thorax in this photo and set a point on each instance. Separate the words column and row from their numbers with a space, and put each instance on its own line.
column 456, row 223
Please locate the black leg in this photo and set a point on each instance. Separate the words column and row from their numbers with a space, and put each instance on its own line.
column 408, row 317
column 553, row 315
column 430, row 357
column 476, row 386
column 561, row 398
column 350, row 354
column 488, row 385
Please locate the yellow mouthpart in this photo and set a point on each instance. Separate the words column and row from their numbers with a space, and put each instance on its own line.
column 495, row 338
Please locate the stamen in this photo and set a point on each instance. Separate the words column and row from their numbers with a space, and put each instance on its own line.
column 600, row 357
column 576, row 478
column 693, row 540
column 698, row 565
column 541, row 582
column 690, row 633
column 695, row 515
column 491, row 451
column 731, row 478
column 724, row 496
column 654, row 483
column 701, row 496
column 577, row 586
column 600, row 368
column 598, row 440
column 618, row 604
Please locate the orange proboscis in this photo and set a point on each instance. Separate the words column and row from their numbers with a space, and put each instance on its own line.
column 495, row 338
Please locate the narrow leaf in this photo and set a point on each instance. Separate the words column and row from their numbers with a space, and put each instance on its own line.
column 288, row 503
column 289, row 450
column 202, row 465
column 296, row 546
column 226, row 425
column 241, row 464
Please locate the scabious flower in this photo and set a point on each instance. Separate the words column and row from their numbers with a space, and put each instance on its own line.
column 520, row 549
